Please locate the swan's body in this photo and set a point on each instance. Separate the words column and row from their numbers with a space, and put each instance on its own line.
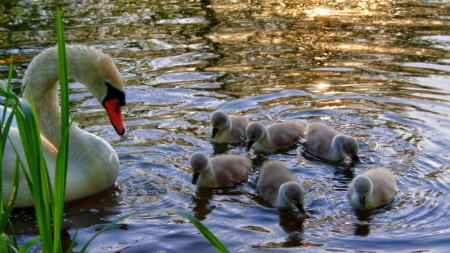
column 93, row 164
column 275, row 136
column 372, row 189
column 228, row 128
column 221, row 170
column 326, row 143
column 279, row 187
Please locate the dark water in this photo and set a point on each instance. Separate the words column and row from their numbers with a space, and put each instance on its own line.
column 377, row 70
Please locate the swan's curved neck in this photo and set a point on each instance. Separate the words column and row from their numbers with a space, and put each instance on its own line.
column 40, row 82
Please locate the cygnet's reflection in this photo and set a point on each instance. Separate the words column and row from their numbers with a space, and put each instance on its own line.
column 292, row 224
column 202, row 203
column 362, row 228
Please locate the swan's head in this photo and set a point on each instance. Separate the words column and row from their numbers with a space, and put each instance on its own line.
column 363, row 187
column 291, row 194
column 199, row 163
column 255, row 132
column 98, row 72
column 219, row 120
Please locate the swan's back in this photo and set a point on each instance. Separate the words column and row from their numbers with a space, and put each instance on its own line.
column 384, row 188
column 273, row 174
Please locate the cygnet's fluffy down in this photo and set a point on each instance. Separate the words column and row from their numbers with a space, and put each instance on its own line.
column 324, row 142
column 228, row 128
column 273, row 137
column 372, row 189
column 279, row 187
column 221, row 170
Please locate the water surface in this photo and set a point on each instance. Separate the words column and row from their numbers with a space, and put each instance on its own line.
column 377, row 70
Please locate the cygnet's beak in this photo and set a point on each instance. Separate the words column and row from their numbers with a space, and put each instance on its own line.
column 249, row 145
column 355, row 158
column 195, row 178
column 300, row 208
column 214, row 132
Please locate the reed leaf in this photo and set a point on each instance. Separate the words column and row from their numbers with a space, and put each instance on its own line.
column 39, row 179
column 5, row 123
column 63, row 150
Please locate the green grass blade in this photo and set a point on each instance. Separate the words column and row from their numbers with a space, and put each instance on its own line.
column 63, row 150
column 206, row 233
column 72, row 242
column 5, row 123
column 10, row 205
column 25, row 248
column 5, row 245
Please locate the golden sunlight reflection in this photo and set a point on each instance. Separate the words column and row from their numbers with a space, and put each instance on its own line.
column 318, row 12
column 322, row 86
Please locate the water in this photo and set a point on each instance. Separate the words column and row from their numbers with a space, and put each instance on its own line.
column 377, row 70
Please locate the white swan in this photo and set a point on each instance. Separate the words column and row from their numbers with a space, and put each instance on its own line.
column 228, row 128
column 93, row 163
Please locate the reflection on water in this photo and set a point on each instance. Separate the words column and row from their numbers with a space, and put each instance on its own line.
column 377, row 70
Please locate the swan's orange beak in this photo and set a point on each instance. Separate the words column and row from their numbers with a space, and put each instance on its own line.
column 114, row 110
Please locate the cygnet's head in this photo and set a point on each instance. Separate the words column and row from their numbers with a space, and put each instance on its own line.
column 350, row 147
column 363, row 187
column 255, row 132
column 292, row 193
column 219, row 120
column 199, row 163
